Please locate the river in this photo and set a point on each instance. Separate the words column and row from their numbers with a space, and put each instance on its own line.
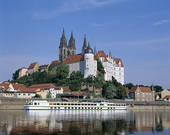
column 47, row 122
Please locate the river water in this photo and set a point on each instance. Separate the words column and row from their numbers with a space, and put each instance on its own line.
column 47, row 122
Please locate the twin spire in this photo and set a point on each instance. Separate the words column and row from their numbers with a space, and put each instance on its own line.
column 71, row 43
column 63, row 41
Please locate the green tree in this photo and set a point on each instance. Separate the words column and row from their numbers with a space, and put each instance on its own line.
column 62, row 72
column 37, row 96
column 15, row 75
column 75, row 81
column 129, row 85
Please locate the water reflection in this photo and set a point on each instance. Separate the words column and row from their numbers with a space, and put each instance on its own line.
column 83, row 122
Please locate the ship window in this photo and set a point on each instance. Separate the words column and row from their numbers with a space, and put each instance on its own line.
column 54, row 104
column 35, row 103
column 101, row 104
column 58, row 104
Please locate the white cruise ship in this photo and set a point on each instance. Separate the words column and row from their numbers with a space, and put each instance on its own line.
column 59, row 105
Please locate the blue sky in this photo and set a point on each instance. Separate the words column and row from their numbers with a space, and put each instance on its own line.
column 138, row 31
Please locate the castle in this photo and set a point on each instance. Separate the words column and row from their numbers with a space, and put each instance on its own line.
column 85, row 62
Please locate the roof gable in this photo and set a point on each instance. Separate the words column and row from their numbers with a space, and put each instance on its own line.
column 117, row 61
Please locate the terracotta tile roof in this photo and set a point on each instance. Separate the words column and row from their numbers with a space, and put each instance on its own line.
column 79, row 93
column 48, row 86
column 167, row 97
column 19, row 87
column 43, row 86
column 117, row 60
column 32, row 65
column 73, row 59
column 101, row 54
column 5, row 84
column 143, row 89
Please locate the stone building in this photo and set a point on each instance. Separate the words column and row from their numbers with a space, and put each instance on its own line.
column 22, row 72
column 33, row 67
column 86, row 61
column 165, row 93
column 141, row 94
column 66, row 50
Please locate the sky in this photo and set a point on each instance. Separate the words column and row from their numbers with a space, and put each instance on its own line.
column 137, row 31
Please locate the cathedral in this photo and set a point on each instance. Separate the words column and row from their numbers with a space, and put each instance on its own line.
column 66, row 50
column 86, row 61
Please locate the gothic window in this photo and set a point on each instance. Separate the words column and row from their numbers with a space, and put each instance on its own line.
column 64, row 52
column 72, row 52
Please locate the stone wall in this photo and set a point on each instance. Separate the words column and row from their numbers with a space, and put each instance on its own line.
column 12, row 104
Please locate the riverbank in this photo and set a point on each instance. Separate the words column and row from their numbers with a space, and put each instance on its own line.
column 18, row 104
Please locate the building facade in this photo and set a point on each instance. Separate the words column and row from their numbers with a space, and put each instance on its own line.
column 141, row 94
column 66, row 50
column 33, row 67
column 22, row 72
column 165, row 93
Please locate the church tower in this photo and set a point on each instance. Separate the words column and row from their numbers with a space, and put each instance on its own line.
column 84, row 45
column 71, row 50
column 63, row 47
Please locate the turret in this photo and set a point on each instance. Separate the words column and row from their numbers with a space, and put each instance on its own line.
column 72, row 42
column 63, row 47
column 90, row 63
column 63, row 41
column 84, row 44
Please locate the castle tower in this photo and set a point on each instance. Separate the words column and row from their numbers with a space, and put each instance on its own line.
column 84, row 45
column 90, row 63
column 63, row 47
column 71, row 50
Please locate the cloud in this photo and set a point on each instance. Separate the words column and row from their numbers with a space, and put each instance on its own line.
column 161, row 22
column 74, row 5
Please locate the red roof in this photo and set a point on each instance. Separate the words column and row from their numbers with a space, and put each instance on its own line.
column 73, row 59
column 32, row 65
column 117, row 60
column 5, row 84
column 19, row 87
column 101, row 54
column 43, row 86
column 142, row 89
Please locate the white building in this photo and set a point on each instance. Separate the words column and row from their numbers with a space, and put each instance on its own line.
column 87, row 64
